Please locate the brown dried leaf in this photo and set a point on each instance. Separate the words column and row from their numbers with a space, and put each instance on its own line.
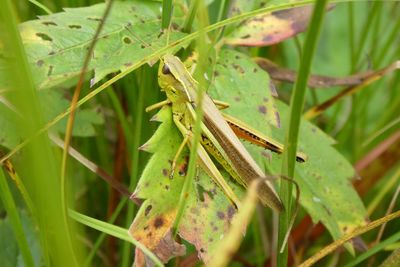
column 271, row 28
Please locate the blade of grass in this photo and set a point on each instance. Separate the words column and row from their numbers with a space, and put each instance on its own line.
column 187, row 25
column 341, row 241
column 102, row 236
column 372, row 251
column 231, row 242
column 40, row 165
column 200, row 70
column 71, row 119
column 166, row 14
column 144, row 86
column 391, row 183
column 113, row 230
column 296, row 108
column 13, row 216
column 41, row 6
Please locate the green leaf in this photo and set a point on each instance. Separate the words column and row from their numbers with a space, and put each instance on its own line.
column 235, row 70
column 207, row 212
column 56, row 44
column 53, row 104
column 10, row 255
column 324, row 179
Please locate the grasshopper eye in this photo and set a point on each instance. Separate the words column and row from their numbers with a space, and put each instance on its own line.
column 165, row 70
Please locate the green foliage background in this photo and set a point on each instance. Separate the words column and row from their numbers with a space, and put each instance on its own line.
column 112, row 125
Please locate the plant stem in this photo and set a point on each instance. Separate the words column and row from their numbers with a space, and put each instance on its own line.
column 296, row 108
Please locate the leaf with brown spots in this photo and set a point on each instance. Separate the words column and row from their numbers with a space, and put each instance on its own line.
column 270, row 28
column 324, row 179
column 207, row 212
column 57, row 44
column 237, row 70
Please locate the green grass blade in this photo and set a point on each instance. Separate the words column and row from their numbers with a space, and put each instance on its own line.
column 113, row 230
column 372, row 251
column 39, row 171
column 12, row 213
column 296, row 108
column 166, row 14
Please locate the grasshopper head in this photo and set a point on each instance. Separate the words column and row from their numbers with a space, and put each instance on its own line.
column 165, row 76
column 174, row 78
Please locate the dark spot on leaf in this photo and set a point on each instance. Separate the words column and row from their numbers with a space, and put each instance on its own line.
column 255, row 70
column 158, row 16
column 237, row 98
column 39, row 63
column 147, row 210
column 237, row 57
column 238, row 68
column 166, row 187
column 216, row 73
column 146, row 228
column 49, row 23
column 246, row 36
column 175, row 26
column 259, row 19
column 50, row 71
column 127, row 40
column 142, row 46
column 210, row 240
column 265, row 99
column 278, row 119
column 158, row 222
column 221, row 215
column 215, row 228
column 268, row 38
column 262, row 109
column 231, row 212
column 146, row 184
column 74, row 26
column 44, row 36
column 128, row 64
column 105, row 36
column 149, row 234
column 94, row 19
column 202, row 250
column 165, row 172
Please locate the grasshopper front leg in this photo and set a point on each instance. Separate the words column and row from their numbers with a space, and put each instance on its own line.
column 178, row 153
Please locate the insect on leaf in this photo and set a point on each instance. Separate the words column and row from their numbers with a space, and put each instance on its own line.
column 208, row 211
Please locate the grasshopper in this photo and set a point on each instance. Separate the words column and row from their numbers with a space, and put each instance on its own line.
column 219, row 133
